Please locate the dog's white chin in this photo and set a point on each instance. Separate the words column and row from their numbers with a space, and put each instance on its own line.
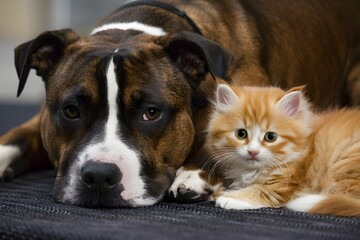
column 132, row 203
column 144, row 202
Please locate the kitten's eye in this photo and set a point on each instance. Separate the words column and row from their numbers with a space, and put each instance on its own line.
column 270, row 137
column 241, row 133
column 151, row 114
column 71, row 112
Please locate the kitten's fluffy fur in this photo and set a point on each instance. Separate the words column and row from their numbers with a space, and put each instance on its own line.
column 286, row 156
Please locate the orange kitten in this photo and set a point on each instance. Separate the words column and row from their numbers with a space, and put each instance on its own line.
column 274, row 152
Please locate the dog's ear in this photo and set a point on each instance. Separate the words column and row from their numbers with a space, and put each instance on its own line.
column 41, row 53
column 196, row 56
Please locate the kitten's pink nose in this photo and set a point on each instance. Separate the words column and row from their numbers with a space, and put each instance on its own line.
column 253, row 153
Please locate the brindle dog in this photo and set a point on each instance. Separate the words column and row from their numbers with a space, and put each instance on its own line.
column 127, row 106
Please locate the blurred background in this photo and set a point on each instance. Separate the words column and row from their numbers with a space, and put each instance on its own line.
column 23, row 20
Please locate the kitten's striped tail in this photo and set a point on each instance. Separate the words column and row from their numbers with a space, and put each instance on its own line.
column 338, row 205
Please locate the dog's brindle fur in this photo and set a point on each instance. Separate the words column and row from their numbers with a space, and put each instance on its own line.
column 283, row 43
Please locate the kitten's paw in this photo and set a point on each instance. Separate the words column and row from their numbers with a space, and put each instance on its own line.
column 188, row 186
column 8, row 156
column 305, row 202
column 231, row 203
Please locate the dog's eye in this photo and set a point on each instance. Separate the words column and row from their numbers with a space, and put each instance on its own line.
column 270, row 137
column 151, row 114
column 71, row 112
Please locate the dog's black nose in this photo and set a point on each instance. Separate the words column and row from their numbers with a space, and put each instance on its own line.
column 103, row 175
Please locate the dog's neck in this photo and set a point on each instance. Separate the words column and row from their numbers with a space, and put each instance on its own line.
column 168, row 7
column 146, row 28
column 137, row 26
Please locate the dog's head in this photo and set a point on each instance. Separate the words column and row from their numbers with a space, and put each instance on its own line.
column 117, row 121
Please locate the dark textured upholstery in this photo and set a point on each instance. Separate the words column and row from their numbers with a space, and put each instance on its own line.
column 27, row 211
column 12, row 114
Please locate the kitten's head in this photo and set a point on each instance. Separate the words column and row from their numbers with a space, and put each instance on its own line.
column 255, row 127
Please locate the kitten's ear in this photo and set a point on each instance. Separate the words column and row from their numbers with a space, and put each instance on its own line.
column 291, row 102
column 225, row 96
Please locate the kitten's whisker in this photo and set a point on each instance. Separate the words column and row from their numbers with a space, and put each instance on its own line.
column 213, row 161
column 283, row 166
column 221, row 157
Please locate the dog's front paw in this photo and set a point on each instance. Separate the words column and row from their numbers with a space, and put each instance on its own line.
column 188, row 186
column 8, row 156
column 231, row 203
